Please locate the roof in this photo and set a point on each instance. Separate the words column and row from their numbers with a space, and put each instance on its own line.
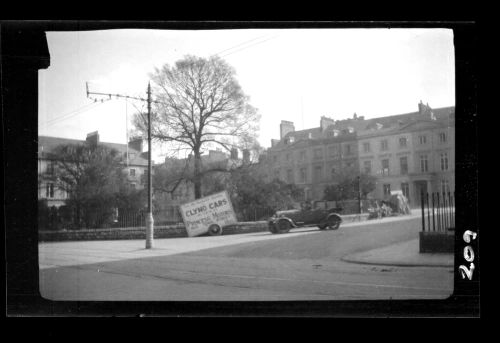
column 47, row 144
column 386, row 124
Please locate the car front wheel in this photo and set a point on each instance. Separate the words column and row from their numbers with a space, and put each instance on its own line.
column 333, row 223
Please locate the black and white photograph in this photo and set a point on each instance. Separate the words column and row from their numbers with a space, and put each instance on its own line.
column 249, row 165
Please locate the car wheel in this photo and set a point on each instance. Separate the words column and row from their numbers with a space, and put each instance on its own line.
column 284, row 226
column 333, row 223
column 214, row 230
column 272, row 228
column 322, row 227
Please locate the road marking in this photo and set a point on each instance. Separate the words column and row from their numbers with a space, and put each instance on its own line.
column 314, row 281
column 139, row 275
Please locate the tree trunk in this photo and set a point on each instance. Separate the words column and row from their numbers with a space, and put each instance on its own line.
column 197, row 174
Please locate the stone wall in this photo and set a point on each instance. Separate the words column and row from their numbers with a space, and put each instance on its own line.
column 169, row 231
column 437, row 242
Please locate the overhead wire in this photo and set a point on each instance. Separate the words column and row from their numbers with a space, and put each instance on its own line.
column 248, row 46
column 251, row 40
column 72, row 114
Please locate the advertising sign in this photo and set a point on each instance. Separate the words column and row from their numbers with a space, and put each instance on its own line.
column 198, row 215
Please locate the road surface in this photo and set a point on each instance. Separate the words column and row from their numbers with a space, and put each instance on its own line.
column 304, row 264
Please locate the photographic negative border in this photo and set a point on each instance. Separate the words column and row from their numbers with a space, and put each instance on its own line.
column 20, row 77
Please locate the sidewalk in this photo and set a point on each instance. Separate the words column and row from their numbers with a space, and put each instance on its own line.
column 405, row 254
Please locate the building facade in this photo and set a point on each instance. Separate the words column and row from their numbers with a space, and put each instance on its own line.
column 411, row 152
column 312, row 159
column 134, row 162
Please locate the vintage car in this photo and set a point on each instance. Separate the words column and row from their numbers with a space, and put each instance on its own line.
column 323, row 218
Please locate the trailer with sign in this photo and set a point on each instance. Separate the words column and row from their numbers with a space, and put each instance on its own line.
column 208, row 214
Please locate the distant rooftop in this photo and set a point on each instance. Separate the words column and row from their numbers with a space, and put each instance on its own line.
column 344, row 128
column 47, row 144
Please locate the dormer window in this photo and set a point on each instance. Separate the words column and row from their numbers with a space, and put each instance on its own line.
column 403, row 142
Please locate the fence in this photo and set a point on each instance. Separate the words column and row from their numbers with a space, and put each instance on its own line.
column 438, row 211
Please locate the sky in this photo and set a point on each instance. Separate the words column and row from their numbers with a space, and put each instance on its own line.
column 297, row 75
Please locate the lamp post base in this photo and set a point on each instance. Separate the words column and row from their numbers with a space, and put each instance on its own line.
column 149, row 230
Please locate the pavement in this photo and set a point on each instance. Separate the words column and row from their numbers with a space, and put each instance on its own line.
column 403, row 254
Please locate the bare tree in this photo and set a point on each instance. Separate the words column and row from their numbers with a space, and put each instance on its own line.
column 199, row 104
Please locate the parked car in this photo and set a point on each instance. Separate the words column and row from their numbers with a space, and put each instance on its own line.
column 283, row 221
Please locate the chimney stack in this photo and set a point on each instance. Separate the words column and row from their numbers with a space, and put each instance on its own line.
column 93, row 138
column 421, row 107
column 285, row 128
column 234, row 154
column 136, row 143
column 246, row 156
column 325, row 122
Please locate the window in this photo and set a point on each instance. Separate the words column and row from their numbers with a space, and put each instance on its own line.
column 332, row 150
column 403, row 163
column 132, row 172
column 318, row 173
column 333, row 173
column 307, row 194
column 385, row 167
column 277, row 174
column 288, row 157
column 302, row 156
column 133, row 185
column 422, row 139
column 368, row 167
column 289, row 176
column 442, row 137
column 445, row 186
column 403, row 141
column 405, row 188
column 50, row 168
column 366, row 147
column 387, row 189
column 444, row 161
column 49, row 190
column 424, row 167
column 318, row 154
column 384, row 145
column 275, row 158
column 348, row 149
column 302, row 175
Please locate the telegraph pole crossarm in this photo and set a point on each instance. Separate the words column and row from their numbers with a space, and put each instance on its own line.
column 149, row 216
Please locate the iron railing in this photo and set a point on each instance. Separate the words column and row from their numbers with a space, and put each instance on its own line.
column 438, row 211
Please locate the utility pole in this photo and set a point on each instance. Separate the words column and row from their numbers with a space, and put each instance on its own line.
column 149, row 216
column 359, row 193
